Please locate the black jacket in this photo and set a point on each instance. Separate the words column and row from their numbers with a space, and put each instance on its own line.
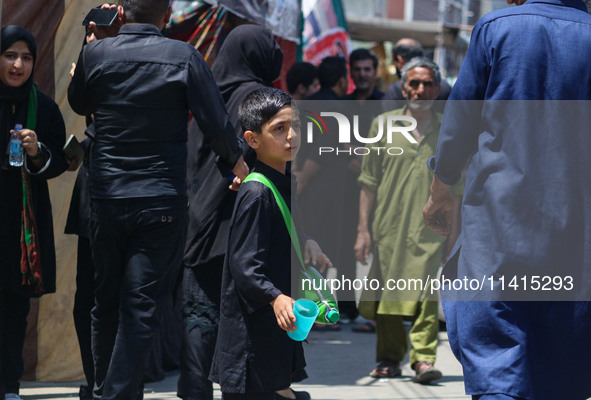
column 140, row 87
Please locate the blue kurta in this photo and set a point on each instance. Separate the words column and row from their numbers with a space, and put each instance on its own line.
column 527, row 200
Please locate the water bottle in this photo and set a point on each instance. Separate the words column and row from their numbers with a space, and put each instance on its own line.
column 316, row 289
column 16, row 157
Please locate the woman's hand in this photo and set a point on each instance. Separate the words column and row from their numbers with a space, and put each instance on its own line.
column 30, row 143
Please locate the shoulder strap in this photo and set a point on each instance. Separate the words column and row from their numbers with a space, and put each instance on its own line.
column 258, row 177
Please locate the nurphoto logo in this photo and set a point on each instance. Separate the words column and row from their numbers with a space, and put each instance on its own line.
column 348, row 131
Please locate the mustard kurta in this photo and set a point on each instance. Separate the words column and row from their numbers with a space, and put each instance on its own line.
column 406, row 248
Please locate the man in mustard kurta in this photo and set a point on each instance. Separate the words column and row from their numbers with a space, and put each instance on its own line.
column 407, row 253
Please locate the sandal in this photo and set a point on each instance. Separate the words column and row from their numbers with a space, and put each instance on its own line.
column 367, row 327
column 386, row 369
column 426, row 372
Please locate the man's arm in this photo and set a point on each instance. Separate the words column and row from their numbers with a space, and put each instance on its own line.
column 77, row 96
column 438, row 212
column 76, row 90
column 455, row 226
column 363, row 243
column 313, row 255
column 458, row 138
column 369, row 179
column 462, row 123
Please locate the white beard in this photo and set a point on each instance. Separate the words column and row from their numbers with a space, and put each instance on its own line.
column 420, row 105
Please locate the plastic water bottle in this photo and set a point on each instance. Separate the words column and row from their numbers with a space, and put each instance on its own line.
column 317, row 291
column 16, row 157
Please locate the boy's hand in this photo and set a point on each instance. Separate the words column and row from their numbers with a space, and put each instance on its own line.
column 283, row 308
column 313, row 254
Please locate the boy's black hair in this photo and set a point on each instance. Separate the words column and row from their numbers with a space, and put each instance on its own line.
column 330, row 70
column 300, row 72
column 259, row 106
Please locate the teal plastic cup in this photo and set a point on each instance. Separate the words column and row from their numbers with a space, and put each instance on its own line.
column 305, row 312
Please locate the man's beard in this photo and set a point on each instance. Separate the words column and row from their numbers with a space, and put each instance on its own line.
column 420, row 105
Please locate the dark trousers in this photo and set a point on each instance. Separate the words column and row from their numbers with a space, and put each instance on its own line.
column 83, row 303
column 137, row 248
column 13, row 325
column 496, row 396
column 201, row 288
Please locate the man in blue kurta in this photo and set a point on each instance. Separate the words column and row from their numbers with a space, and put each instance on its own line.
column 527, row 202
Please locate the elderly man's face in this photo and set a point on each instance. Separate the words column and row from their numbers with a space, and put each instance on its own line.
column 420, row 89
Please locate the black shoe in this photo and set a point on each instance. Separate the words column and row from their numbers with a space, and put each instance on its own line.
column 85, row 392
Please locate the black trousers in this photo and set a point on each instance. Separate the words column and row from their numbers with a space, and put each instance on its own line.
column 201, row 287
column 83, row 303
column 14, row 309
column 137, row 248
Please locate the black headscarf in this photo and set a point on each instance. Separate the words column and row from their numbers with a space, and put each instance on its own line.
column 10, row 35
column 14, row 95
column 249, row 54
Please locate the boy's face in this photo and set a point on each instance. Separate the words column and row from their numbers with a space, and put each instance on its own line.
column 279, row 139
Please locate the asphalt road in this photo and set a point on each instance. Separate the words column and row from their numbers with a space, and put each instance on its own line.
column 338, row 368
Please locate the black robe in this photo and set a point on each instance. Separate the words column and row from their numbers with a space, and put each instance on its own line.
column 254, row 355
column 50, row 131
column 249, row 59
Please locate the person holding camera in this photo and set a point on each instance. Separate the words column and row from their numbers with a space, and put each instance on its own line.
column 140, row 87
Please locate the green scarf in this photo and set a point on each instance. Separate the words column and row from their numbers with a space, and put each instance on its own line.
column 30, row 257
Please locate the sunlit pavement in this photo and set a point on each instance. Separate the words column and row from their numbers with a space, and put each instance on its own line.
column 338, row 368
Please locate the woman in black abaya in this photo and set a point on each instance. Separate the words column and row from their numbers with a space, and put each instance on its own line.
column 27, row 251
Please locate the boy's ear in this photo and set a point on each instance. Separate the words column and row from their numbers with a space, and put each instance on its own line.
column 251, row 139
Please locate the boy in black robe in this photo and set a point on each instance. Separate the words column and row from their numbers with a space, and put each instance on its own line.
column 254, row 357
